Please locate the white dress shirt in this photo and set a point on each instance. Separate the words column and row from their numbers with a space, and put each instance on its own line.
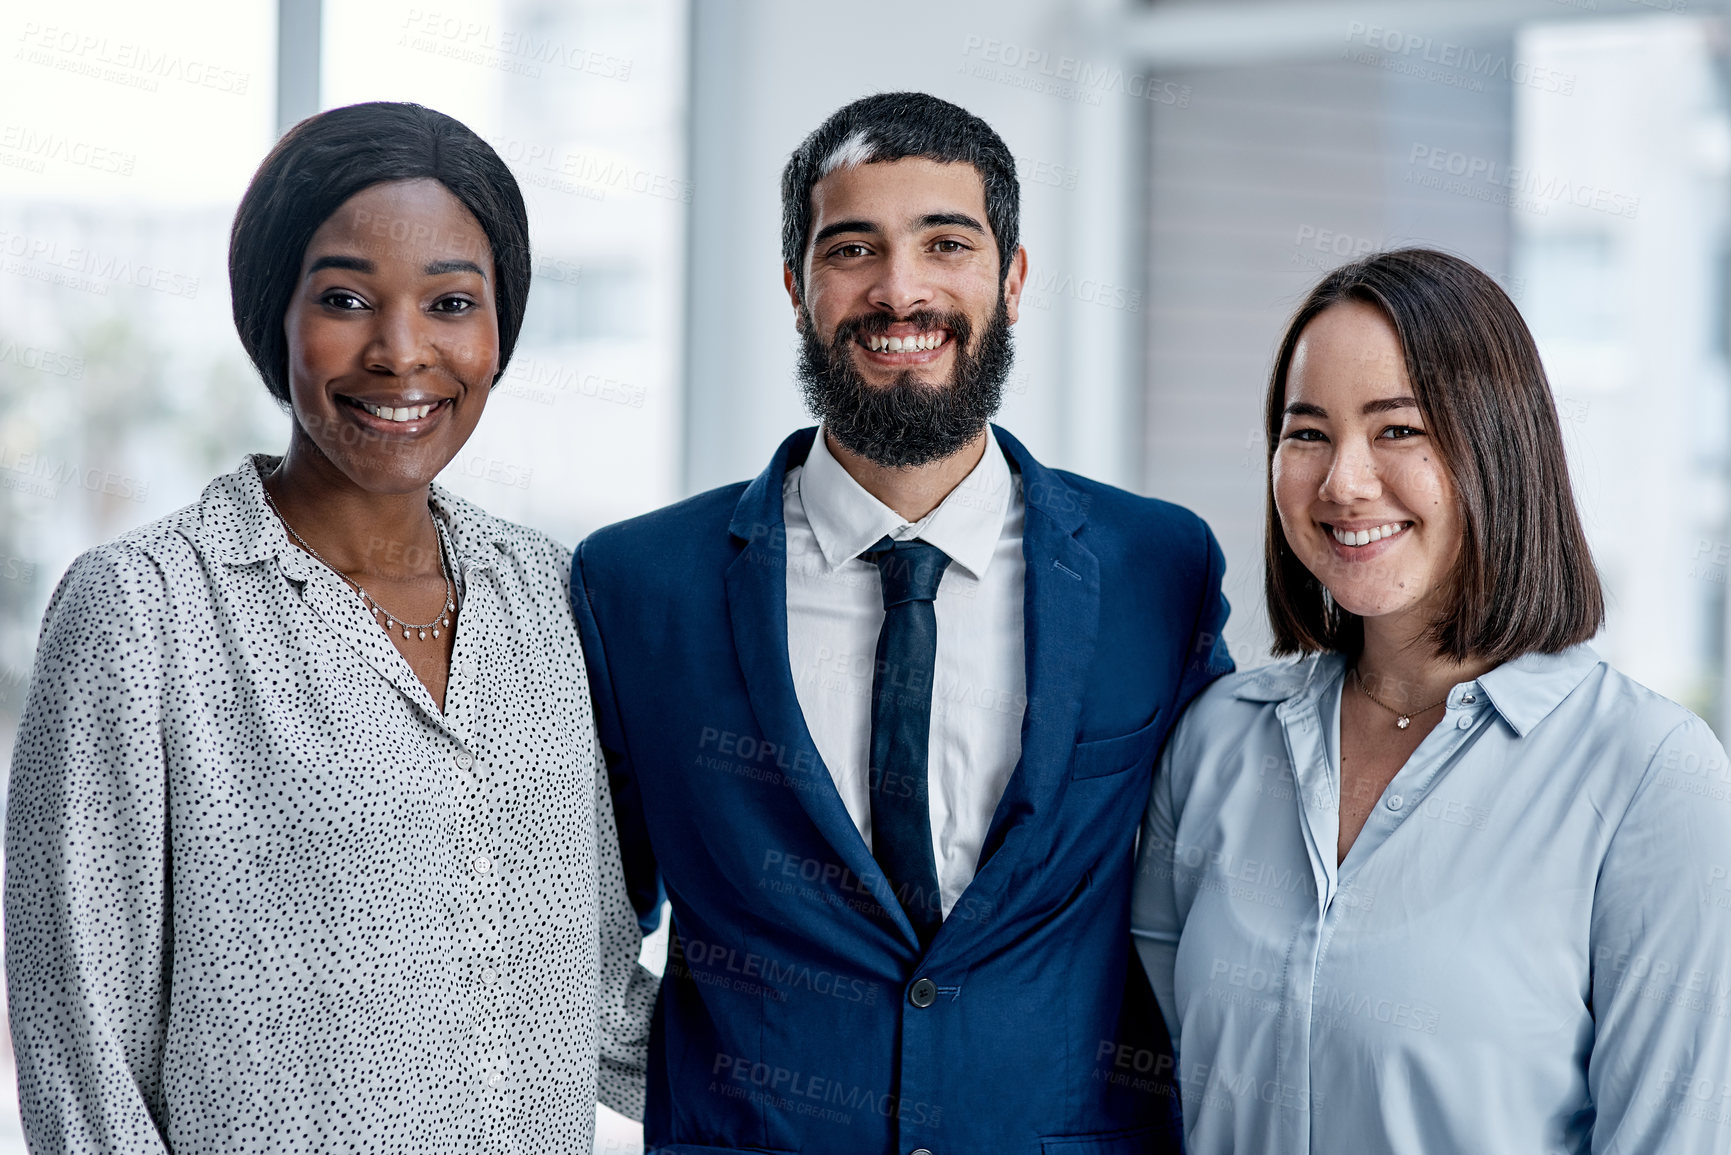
column 835, row 610
column 262, row 894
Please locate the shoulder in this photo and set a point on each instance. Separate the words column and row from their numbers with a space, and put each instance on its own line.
column 1105, row 509
column 1664, row 740
column 152, row 554
column 660, row 542
column 1661, row 783
column 1114, row 504
column 114, row 590
column 476, row 529
column 535, row 563
column 1233, row 721
column 1118, row 522
column 1237, row 699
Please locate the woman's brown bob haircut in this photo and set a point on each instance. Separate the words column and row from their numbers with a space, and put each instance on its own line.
column 1525, row 581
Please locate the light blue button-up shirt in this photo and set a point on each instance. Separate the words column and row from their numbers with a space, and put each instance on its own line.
column 1526, row 950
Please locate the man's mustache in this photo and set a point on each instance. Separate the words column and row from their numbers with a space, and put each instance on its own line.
column 876, row 324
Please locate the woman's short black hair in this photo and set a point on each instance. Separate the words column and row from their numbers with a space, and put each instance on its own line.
column 1525, row 581
column 892, row 126
column 326, row 159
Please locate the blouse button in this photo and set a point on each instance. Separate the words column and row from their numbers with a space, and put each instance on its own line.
column 463, row 759
column 482, row 864
column 1395, row 802
column 489, row 975
column 1463, row 722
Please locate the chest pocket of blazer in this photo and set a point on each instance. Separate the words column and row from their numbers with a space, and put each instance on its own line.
column 1126, row 752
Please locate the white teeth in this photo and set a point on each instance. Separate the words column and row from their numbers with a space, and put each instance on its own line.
column 905, row 344
column 1366, row 536
column 405, row 413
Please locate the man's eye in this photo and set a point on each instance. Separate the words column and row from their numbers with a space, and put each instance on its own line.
column 951, row 246
column 849, row 251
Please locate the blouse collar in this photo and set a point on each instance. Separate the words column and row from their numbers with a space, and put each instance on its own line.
column 1523, row 691
column 236, row 524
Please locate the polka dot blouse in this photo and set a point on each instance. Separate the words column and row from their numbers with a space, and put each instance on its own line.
column 262, row 894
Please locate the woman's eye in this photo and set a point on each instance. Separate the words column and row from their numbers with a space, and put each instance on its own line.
column 453, row 305
column 1401, row 432
column 1306, row 435
column 342, row 299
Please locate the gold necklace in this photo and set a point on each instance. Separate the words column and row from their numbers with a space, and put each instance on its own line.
column 1401, row 720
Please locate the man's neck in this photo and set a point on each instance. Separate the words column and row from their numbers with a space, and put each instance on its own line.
column 914, row 491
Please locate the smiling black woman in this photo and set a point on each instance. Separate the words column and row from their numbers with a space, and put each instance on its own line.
column 308, row 842
column 393, row 346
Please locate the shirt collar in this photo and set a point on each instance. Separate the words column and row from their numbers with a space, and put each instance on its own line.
column 1524, row 691
column 1527, row 689
column 1282, row 680
column 847, row 520
column 237, row 525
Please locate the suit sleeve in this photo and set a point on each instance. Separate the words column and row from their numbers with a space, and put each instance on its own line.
column 1207, row 657
column 642, row 875
column 88, row 944
column 1660, row 1069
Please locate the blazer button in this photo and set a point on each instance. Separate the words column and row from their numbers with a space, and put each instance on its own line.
column 919, row 1151
column 923, row 994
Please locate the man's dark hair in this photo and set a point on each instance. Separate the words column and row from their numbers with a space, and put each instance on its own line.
column 326, row 159
column 892, row 126
column 1525, row 580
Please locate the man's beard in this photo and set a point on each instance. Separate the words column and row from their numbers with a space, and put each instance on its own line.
column 907, row 422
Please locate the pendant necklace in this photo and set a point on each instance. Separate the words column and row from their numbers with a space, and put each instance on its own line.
column 391, row 622
column 1401, row 720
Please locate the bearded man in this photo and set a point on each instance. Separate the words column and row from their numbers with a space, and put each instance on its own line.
column 881, row 723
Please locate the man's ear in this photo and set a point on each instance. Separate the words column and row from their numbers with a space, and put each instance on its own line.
column 793, row 295
column 1013, row 283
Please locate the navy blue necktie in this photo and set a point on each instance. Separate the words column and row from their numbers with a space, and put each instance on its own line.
column 901, row 727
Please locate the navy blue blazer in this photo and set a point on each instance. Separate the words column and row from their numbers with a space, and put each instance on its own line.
column 798, row 1012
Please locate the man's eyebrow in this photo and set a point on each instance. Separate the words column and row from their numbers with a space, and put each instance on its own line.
column 436, row 268
column 951, row 220
column 353, row 264
column 840, row 227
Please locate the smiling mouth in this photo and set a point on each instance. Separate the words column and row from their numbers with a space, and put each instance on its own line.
column 1360, row 537
column 912, row 343
column 401, row 414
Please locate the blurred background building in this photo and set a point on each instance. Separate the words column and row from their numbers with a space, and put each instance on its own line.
column 1189, row 169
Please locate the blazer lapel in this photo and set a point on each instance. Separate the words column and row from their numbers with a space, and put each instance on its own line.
column 757, row 604
column 1061, row 617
